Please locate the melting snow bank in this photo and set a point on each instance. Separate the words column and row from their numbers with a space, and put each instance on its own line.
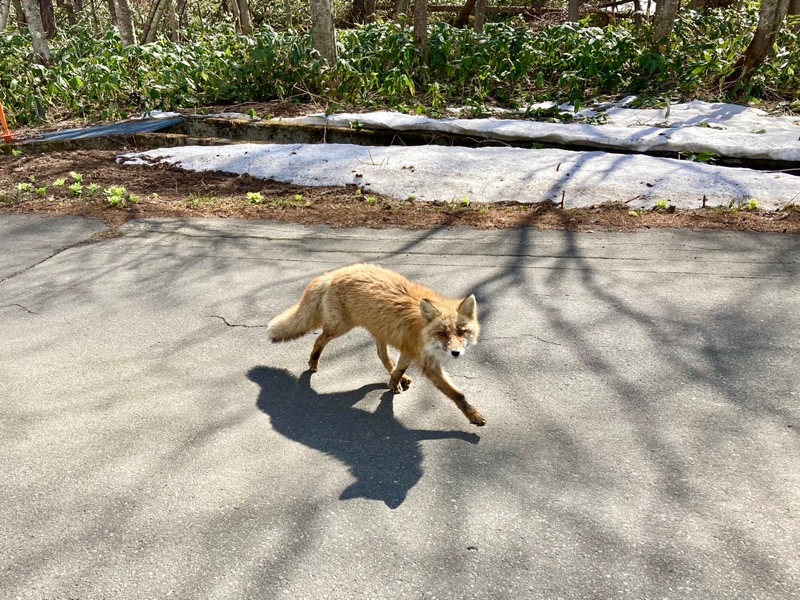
column 437, row 173
column 727, row 130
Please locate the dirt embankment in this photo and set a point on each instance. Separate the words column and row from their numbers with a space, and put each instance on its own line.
column 45, row 184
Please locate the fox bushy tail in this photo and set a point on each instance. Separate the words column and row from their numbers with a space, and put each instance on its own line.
column 302, row 317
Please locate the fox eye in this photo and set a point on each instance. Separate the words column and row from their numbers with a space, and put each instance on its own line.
column 442, row 334
column 461, row 332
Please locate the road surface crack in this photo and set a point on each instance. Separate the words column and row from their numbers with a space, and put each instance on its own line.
column 528, row 335
column 20, row 306
column 229, row 324
column 96, row 237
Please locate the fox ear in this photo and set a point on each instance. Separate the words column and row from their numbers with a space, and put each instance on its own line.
column 429, row 311
column 468, row 307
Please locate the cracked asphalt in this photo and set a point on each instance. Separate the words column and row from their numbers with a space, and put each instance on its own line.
column 641, row 392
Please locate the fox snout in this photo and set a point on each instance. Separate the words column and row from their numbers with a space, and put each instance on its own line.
column 452, row 346
column 458, row 352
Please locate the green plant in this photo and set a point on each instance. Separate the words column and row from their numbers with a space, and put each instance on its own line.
column 372, row 200
column 751, row 205
column 459, row 204
column 96, row 77
column 76, row 177
column 25, row 188
column 701, row 157
column 41, row 191
column 295, row 202
column 60, row 182
column 16, row 152
column 195, row 200
column 255, row 198
column 76, row 189
column 118, row 197
column 91, row 190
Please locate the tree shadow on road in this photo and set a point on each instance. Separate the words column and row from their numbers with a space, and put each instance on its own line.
column 380, row 452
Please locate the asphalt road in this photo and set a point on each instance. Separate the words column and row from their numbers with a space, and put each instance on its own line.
column 641, row 392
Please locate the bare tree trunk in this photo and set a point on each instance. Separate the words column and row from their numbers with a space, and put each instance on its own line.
column 401, row 13
column 93, row 12
column 5, row 11
column 323, row 33
column 770, row 20
column 233, row 8
column 183, row 9
column 245, row 22
column 463, row 16
column 48, row 18
column 711, row 4
column 666, row 11
column 69, row 9
column 421, row 27
column 794, row 9
column 288, row 9
column 480, row 15
column 172, row 20
column 362, row 11
column 357, row 11
column 573, row 7
column 125, row 22
column 21, row 23
column 38, row 38
column 153, row 20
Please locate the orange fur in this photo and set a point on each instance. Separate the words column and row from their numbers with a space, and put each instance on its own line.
column 423, row 325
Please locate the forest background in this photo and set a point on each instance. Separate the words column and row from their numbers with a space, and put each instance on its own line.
column 99, row 60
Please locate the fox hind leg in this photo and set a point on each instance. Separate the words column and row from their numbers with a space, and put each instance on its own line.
column 319, row 345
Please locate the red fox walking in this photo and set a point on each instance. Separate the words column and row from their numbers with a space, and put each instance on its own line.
column 424, row 326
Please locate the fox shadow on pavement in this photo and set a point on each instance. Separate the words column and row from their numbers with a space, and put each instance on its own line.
column 380, row 452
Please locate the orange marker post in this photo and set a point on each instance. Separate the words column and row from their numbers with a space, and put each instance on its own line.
column 7, row 137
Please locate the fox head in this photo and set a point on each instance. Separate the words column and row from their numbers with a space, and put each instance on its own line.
column 450, row 327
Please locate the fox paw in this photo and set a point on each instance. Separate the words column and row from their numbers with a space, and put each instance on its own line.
column 400, row 385
column 477, row 418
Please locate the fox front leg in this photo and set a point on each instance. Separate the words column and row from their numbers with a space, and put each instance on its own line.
column 442, row 382
column 398, row 381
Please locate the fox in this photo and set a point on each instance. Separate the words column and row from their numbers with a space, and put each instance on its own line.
column 424, row 326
